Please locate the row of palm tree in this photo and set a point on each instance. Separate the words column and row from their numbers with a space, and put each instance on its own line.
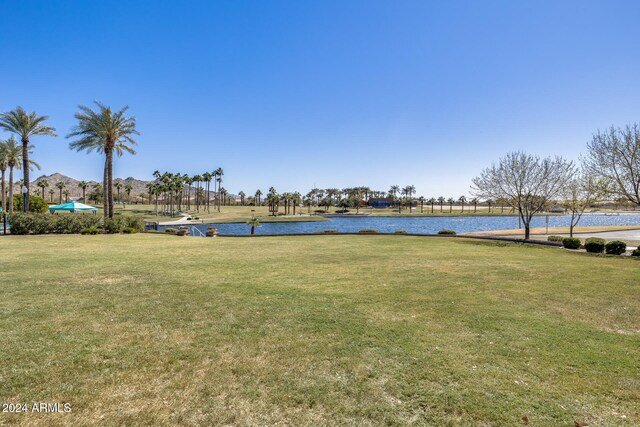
column 175, row 189
column 12, row 158
column 102, row 130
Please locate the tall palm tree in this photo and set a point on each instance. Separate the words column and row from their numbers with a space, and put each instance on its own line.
column 127, row 189
column 25, row 125
column 441, row 200
column 432, row 201
column 51, row 193
column 43, row 183
column 107, row 132
column 409, row 190
column 83, row 186
column 66, row 193
column 60, row 186
column 242, row 196
column 219, row 173
column 3, row 168
column 450, row 201
column 462, row 201
column 393, row 191
column 118, row 186
column 421, row 199
column 257, row 196
column 13, row 155
column 196, row 180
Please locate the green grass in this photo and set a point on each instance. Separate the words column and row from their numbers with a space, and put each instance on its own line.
column 317, row 330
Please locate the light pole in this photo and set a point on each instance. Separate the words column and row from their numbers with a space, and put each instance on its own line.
column 24, row 198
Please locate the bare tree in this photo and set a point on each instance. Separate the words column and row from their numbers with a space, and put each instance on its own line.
column 614, row 156
column 526, row 182
column 580, row 193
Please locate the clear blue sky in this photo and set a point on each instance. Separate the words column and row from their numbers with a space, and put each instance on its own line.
column 328, row 93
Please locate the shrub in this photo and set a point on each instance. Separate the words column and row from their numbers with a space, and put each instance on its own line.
column 636, row 252
column 36, row 204
column 330, row 231
column 134, row 222
column 113, row 225
column 571, row 243
column 368, row 231
column 42, row 223
column 449, row 232
column 555, row 239
column 171, row 230
column 130, row 230
column 594, row 245
column 400, row 232
column 91, row 231
column 615, row 247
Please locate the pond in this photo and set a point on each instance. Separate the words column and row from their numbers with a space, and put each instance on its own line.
column 417, row 225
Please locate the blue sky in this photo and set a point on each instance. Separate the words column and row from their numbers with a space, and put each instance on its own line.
column 327, row 93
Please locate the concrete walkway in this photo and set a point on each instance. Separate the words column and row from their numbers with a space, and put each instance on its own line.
column 182, row 221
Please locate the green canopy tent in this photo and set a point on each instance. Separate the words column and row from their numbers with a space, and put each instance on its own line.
column 73, row 207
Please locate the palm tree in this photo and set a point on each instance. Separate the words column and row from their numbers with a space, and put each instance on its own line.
column 296, row 198
column 257, row 196
column 60, row 186
column 393, row 191
column 207, row 177
column 421, row 199
column 107, row 132
column 83, row 186
column 66, row 193
column 3, row 168
column 223, row 193
column 196, row 180
column 474, row 201
column 43, row 183
column 13, row 155
column 219, row 173
column 450, row 201
column 441, row 201
column 51, row 193
column 432, row 201
column 253, row 222
column 25, row 125
column 242, row 196
column 127, row 189
column 118, row 186
column 409, row 190
column 462, row 200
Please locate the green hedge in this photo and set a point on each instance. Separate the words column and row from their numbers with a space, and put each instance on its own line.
column 571, row 243
column 636, row 252
column 36, row 204
column 615, row 247
column 594, row 245
column 449, row 232
column 44, row 223
column 555, row 239
column 368, row 231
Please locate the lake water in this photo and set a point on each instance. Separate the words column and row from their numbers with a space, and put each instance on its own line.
column 417, row 225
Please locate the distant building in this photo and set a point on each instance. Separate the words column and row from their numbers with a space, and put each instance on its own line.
column 380, row 202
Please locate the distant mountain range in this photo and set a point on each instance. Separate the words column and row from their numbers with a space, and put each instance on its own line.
column 71, row 184
column 138, row 186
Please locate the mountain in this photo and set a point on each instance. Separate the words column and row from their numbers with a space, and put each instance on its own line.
column 138, row 187
column 71, row 184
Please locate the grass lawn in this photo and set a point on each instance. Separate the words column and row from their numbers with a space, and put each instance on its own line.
column 317, row 330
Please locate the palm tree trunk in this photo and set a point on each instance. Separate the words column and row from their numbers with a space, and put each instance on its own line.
column 10, row 190
column 4, row 196
column 25, row 168
column 105, row 187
